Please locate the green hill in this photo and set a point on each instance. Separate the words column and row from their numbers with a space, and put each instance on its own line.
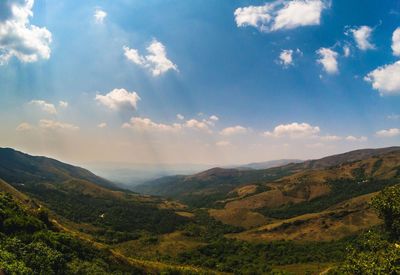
column 206, row 188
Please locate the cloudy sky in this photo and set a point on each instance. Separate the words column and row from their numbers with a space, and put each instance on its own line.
column 211, row 82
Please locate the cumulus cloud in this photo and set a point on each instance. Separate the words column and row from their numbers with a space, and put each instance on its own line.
column 396, row 42
column 328, row 59
column 102, row 125
column 56, row 125
column 386, row 79
column 280, row 14
column 156, row 60
column 293, row 130
column 99, row 16
column 393, row 132
column 44, row 106
column 362, row 36
column 146, row 124
column 286, row 57
column 63, row 104
column 346, row 51
column 19, row 38
column 118, row 99
column 180, row 117
column 203, row 125
column 234, row 130
column 214, row 118
column 24, row 126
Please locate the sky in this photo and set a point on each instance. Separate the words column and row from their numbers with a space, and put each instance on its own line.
column 200, row 82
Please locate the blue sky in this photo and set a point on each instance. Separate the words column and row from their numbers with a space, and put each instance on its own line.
column 219, row 59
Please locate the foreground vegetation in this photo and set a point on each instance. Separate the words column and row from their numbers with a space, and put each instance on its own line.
column 29, row 244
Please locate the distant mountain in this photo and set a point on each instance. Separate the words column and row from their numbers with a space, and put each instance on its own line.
column 17, row 167
column 269, row 164
column 346, row 157
column 210, row 186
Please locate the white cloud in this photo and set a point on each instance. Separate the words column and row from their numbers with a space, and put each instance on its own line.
column 356, row 139
column 24, row 126
column 99, row 16
column 234, row 130
column 146, row 124
column 118, row 99
column 281, row 14
column 214, row 118
column 180, row 117
column 396, row 42
column 393, row 132
column 63, row 104
column 386, row 79
column 102, row 125
column 156, row 60
column 56, row 125
column 199, row 125
column 286, row 57
column 134, row 56
column 44, row 106
column 328, row 59
column 362, row 36
column 293, row 130
column 18, row 37
column 346, row 51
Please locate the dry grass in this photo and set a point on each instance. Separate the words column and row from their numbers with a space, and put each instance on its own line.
column 239, row 217
column 169, row 244
column 340, row 221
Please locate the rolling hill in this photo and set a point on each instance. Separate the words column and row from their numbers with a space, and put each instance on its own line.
column 206, row 188
column 92, row 203
column 294, row 218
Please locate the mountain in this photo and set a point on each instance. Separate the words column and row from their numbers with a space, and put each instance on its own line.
column 208, row 187
column 268, row 164
column 81, row 197
column 309, row 191
column 17, row 167
column 298, row 218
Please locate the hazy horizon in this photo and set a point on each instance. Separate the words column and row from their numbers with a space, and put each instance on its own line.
column 217, row 83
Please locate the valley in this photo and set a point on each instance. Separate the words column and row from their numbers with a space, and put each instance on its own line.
column 297, row 218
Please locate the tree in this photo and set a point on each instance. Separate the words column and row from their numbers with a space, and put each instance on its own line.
column 387, row 203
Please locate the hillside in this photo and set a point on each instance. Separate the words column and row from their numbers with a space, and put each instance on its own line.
column 287, row 218
column 309, row 191
column 210, row 186
column 93, row 204
column 17, row 167
column 269, row 164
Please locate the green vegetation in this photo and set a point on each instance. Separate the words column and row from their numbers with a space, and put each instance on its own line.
column 341, row 190
column 204, row 189
column 119, row 220
column 29, row 245
column 243, row 257
column 378, row 251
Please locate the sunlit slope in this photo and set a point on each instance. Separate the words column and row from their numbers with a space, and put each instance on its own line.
column 312, row 192
column 218, row 184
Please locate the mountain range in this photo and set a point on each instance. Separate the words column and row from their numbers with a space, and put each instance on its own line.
column 205, row 223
